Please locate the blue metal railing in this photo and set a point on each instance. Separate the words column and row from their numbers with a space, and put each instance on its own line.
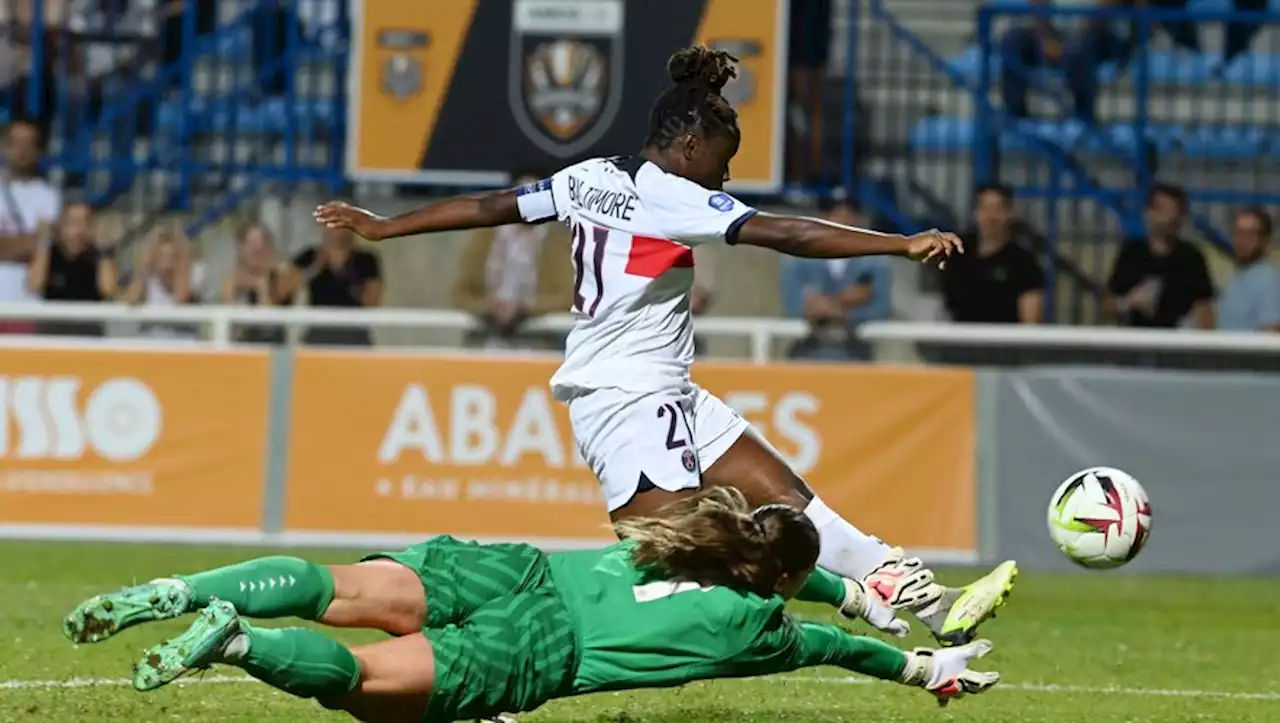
column 1145, row 81
column 1171, row 116
column 194, row 110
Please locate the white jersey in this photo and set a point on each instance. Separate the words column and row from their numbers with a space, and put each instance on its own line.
column 634, row 228
column 24, row 206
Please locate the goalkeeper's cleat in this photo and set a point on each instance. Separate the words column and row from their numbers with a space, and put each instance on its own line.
column 946, row 674
column 102, row 616
column 198, row 648
column 955, row 617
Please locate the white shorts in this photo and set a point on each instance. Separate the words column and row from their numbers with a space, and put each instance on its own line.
column 664, row 438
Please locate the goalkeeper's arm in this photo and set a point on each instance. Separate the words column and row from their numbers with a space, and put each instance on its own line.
column 945, row 673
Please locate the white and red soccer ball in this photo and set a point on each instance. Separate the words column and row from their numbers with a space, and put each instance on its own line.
column 1100, row 517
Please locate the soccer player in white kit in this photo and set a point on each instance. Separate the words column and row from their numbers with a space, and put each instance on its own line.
column 647, row 431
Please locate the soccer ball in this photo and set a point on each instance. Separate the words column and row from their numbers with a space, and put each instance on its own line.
column 1100, row 517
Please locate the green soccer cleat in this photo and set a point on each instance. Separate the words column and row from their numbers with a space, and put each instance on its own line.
column 961, row 610
column 102, row 616
column 198, row 648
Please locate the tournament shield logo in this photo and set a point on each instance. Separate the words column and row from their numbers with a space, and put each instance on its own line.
column 566, row 71
column 402, row 71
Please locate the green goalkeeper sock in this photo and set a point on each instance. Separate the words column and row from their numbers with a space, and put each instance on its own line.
column 269, row 587
column 298, row 661
column 823, row 587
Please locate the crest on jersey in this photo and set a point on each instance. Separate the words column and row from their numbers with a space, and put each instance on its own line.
column 688, row 459
column 402, row 71
column 742, row 89
column 565, row 82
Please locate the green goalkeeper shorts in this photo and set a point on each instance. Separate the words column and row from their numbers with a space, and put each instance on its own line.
column 503, row 640
column 459, row 577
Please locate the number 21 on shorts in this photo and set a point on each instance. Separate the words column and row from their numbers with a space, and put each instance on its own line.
column 679, row 434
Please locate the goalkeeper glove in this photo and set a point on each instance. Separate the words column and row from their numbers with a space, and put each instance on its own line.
column 945, row 673
column 861, row 603
column 903, row 582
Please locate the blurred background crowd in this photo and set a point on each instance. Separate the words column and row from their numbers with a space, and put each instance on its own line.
column 1108, row 163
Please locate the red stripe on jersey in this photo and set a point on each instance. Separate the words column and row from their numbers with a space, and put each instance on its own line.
column 653, row 257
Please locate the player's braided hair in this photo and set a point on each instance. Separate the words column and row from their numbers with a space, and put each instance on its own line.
column 715, row 538
column 693, row 103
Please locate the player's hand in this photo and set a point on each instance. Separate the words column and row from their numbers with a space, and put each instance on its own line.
column 903, row 582
column 863, row 604
column 336, row 214
column 933, row 245
column 945, row 673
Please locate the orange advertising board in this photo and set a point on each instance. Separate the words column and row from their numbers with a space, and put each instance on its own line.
column 132, row 438
column 406, row 445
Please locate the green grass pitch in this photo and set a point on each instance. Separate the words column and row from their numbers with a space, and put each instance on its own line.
column 1088, row 647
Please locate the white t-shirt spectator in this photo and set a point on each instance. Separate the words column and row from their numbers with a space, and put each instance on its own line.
column 24, row 206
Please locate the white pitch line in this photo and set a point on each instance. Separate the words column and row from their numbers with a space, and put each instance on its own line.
column 802, row 679
column 1062, row 689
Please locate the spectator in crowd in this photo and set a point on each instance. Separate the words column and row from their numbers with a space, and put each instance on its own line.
column 1098, row 40
column 835, row 295
column 997, row 280
column 336, row 273
column 255, row 281
column 71, row 266
column 163, row 275
column 511, row 274
column 808, row 50
column 1162, row 280
column 1251, row 300
column 29, row 205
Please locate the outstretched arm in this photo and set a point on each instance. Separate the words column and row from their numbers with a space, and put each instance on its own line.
column 818, row 644
column 814, row 238
column 477, row 210
column 944, row 673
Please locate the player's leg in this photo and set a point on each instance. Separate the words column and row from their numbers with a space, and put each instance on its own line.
column 433, row 583
column 387, row 681
column 376, row 594
column 733, row 453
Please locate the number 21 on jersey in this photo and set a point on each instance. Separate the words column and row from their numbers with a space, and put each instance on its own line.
column 585, row 235
column 651, row 591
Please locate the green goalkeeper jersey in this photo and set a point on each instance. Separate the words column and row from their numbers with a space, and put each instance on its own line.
column 638, row 631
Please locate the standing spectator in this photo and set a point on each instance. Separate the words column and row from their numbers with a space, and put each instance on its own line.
column 511, row 274
column 71, row 267
column 808, row 50
column 1251, row 300
column 336, row 273
column 255, row 281
column 997, row 280
column 1160, row 280
column 835, row 295
column 162, row 276
column 28, row 205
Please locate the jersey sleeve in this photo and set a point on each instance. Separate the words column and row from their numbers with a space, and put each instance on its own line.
column 545, row 200
column 691, row 214
column 798, row 645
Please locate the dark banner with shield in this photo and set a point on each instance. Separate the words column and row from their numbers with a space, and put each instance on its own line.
column 471, row 91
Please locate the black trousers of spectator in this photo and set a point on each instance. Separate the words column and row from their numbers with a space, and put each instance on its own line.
column 338, row 336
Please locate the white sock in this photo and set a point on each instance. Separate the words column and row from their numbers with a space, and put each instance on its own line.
column 236, row 648
column 846, row 550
